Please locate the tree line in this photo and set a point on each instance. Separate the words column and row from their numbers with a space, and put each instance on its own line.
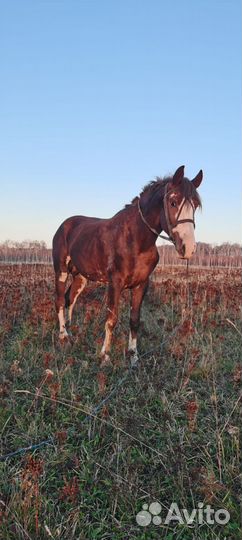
column 223, row 255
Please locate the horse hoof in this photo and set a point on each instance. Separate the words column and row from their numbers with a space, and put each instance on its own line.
column 65, row 340
column 133, row 355
column 63, row 336
column 106, row 361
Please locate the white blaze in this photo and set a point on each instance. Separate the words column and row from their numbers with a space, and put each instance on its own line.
column 186, row 230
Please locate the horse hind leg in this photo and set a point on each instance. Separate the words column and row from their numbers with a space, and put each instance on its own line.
column 75, row 289
column 60, row 284
column 111, row 321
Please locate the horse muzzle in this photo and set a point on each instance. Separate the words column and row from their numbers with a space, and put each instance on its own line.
column 185, row 245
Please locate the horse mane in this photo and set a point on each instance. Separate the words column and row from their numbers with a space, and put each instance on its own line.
column 186, row 187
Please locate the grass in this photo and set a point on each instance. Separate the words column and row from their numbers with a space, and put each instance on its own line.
column 170, row 433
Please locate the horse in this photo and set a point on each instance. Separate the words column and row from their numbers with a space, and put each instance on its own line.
column 121, row 251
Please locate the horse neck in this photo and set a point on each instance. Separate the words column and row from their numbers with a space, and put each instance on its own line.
column 151, row 210
column 151, row 205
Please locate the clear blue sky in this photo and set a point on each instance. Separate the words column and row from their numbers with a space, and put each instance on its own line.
column 97, row 97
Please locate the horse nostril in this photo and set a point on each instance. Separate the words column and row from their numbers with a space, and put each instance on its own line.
column 183, row 249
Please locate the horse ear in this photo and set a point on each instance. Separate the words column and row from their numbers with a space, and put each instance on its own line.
column 198, row 179
column 178, row 176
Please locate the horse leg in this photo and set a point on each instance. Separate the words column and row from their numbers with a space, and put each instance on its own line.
column 137, row 295
column 111, row 320
column 77, row 286
column 60, row 283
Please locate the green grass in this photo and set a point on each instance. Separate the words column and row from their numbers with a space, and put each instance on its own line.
column 169, row 434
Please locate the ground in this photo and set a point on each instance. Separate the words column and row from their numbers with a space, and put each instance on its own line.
column 169, row 433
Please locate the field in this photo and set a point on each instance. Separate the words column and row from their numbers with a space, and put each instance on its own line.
column 170, row 431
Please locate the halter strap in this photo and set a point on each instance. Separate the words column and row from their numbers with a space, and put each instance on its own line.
column 178, row 221
column 170, row 227
column 151, row 228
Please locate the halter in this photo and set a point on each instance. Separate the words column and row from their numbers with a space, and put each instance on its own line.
column 170, row 227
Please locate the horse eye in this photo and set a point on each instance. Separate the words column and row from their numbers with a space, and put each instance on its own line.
column 173, row 203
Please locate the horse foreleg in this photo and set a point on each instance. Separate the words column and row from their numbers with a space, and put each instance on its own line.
column 111, row 321
column 137, row 295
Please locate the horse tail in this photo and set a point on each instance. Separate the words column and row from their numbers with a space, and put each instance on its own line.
column 60, row 250
column 61, row 245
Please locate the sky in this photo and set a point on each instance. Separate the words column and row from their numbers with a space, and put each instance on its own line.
column 98, row 97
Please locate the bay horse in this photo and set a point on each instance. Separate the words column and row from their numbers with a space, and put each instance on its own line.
column 121, row 251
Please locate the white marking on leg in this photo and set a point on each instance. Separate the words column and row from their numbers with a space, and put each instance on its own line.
column 61, row 317
column 107, row 340
column 132, row 343
column 133, row 349
column 106, row 347
column 63, row 277
column 68, row 259
column 71, row 306
column 70, row 309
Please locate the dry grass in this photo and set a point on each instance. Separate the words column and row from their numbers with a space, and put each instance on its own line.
column 170, row 432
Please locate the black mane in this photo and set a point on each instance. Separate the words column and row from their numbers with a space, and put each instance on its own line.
column 186, row 187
